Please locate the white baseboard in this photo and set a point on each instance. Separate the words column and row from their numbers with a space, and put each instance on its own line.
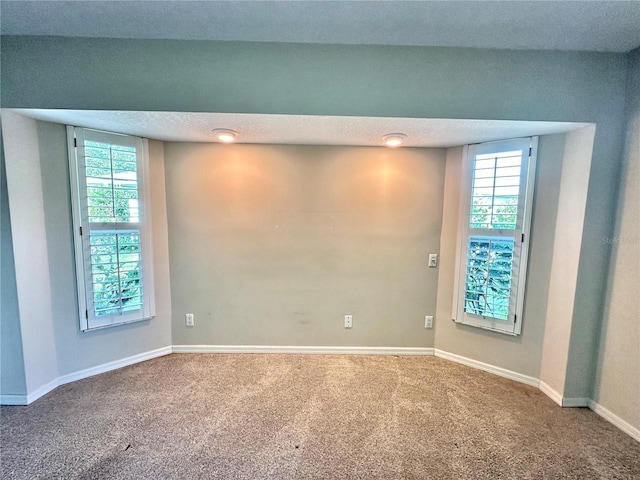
column 322, row 350
column 327, row 350
column 502, row 372
column 612, row 418
column 551, row 393
column 43, row 390
column 89, row 372
column 13, row 399
column 106, row 367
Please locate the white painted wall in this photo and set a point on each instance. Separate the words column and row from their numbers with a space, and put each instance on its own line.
column 12, row 381
column 31, row 252
column 570, row 218
column 617, row 383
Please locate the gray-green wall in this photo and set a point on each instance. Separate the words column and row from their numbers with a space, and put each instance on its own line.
column 388, row 81
column 617, row 383
column 30, row 251
column 48, row 72
column 273, row 244
column 565, row 367
column 12, row 377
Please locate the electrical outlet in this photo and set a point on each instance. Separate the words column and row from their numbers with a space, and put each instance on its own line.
column 348, row 321
column 433, row 260
column 428, row 321
column 189, row 319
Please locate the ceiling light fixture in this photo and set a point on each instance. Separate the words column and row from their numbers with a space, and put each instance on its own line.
column 393, row 139
column 224, row 135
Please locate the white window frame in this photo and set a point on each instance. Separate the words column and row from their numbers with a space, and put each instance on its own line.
column 82, row 228
column 521, row 235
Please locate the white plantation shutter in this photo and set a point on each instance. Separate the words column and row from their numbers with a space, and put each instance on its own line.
column 112, row 227
column 494, row 234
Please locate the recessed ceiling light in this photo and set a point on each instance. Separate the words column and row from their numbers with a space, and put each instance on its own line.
column 393, row 139
column 224, row 135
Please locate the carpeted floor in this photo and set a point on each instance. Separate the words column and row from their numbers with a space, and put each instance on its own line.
column 306, row 417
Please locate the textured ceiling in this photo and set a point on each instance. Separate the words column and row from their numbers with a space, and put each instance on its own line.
column 300, row 129
column 558, row 25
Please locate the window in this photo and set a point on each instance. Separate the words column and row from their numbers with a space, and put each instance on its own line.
column 112, row 229
column 497, row 193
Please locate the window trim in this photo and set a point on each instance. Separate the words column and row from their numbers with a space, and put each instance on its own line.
column 87, row 319
column 464, row 210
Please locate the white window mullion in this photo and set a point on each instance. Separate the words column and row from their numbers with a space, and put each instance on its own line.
column 526, row 231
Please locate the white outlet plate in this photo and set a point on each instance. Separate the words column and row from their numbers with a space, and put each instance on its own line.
column 428, row 321
column 433, row 260
column 189, row 319
column 348, row 321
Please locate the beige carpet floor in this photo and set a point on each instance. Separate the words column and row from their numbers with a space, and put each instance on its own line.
column 306, row 417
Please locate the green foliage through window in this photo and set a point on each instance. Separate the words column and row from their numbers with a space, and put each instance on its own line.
column 494, row 206
column 112, row 183
column 495, row 190
column 488, row 276
column 115, row 271
column 112, row 198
